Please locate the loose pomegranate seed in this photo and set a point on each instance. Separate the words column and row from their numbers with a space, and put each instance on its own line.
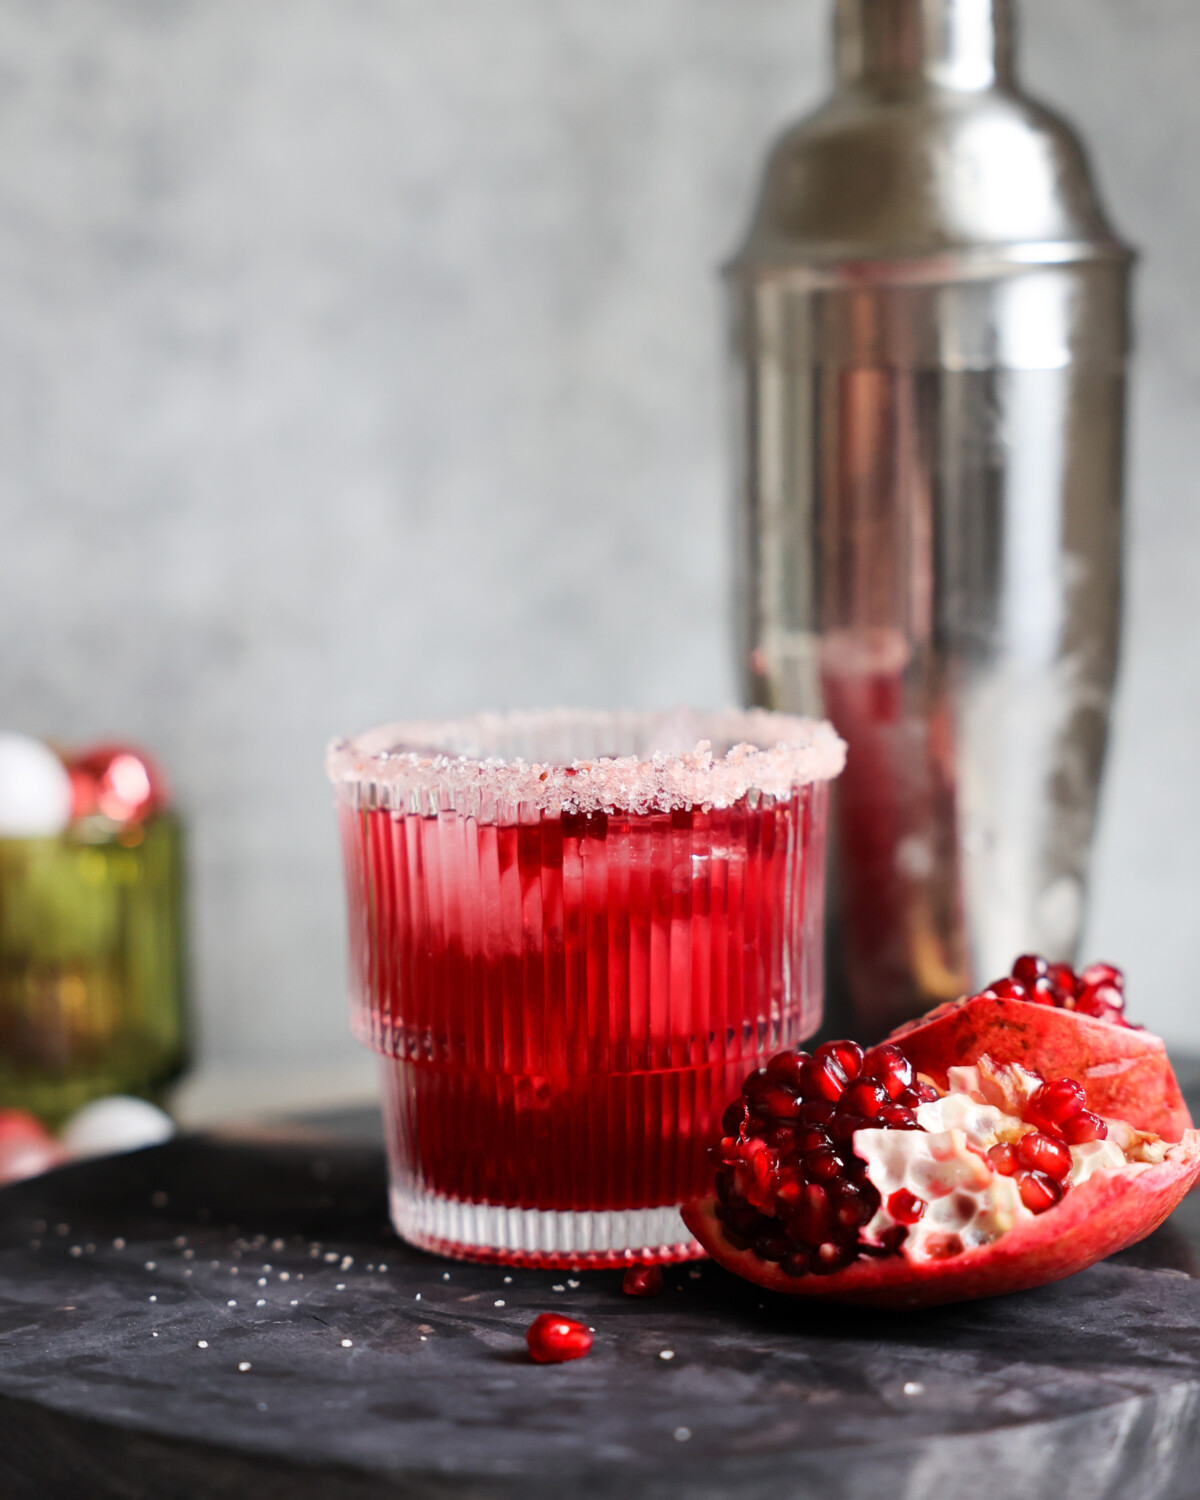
column 823, row 1078
column 1042, row 1153
column 849, row 1056
column 905, row 1207
column 1085, row 1126
column 1029, row 968
column 1055, row 1102
column 552, row 1340
column 1003, row 1158
column 642, row 1281
column 1038, row 1192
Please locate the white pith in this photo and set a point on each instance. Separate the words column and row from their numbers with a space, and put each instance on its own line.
column 968, row 1203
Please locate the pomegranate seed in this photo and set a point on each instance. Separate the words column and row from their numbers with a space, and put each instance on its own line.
column 1062, row 977
column 785, row 1068
column 896, row 1117
column 1029, row 968
column 756, row 1085
column 781, row 1104
column 823, row 1165
column 1042, row 992
column 1042, row 1153
column 925, row 1094
column 1055, row 1102
column 798, row 1262
column 553, row 1340
column 905, row 1207
column 849, row 1056
column 1038, row 1192
column 1085, row 1126
column 735, row 1116
column 823, row 1078
column 1101, row 1000
column 811, row 1138
column 812, row 1217
column 865, row 1097
column 888, row 1066
column 782, row 1138
column 772, row 1246
column 1096, row 974
column 642, row 1281
column 851, row 1206
column 844, row 1124
column 1003, row 1158
column 1009, row 989
column 817, row 1112
column 832, row 1256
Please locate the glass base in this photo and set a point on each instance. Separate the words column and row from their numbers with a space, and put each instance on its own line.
column 540, row 1237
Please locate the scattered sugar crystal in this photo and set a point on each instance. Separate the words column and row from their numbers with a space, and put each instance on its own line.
column 151, row 1265
column 262, row 1302
column 276, row 1244
column 179, row 1241
column 201, row 1343
column 913, row 1387
column 331, row 1256
column 347, row 1343
column 231, row 1303
column 152, row 1298
column 295, row 1302
column 558, row 1287
column 189, row 1255
column 666, row 1354
column 383, row 1267
column 347, row 1262
column 682, row 1434
column 499, row 1302
column 262, row 1281
column 341, row 1287
column 285, row 1276
column 75, row 1250
column 571, row 1283
column 243, row 1365
column 507, row 1279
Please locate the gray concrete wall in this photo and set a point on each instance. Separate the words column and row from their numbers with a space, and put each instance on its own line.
column 361, row 359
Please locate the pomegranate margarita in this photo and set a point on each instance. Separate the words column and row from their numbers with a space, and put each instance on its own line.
column 570, row 935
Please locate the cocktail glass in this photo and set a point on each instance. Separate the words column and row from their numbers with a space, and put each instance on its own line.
column 571, row 935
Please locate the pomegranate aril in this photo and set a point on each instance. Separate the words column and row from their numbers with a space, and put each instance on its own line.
column 865, row 1097
column 1003, row 1158
column 905, row 1207
column 781, row 1104
column 734, row 1118
column 811, row 1138
column 817, row 1112
column 1102, row 974
column 797, row 1262
column 897, row 1117
column 1041, row 1153
column 1102, row 1000
column 1009, row 989
column 823, row 1078
column 642, row 1281
column 755, row 1085
column 552, row 1339
column 832, row 1255
column 925, row 1092
column 772, row 1247
column 782, row 1138
column 1042, row 992
column 1085, row 1126
column 844, row 1124
column 812, row 1217
column 785, row 1068
column 823, row 1165
column 888, row 1066
column 1062, row 979
column 1029, row 968
column 849, row 1056
column 1055, row 1102
column 1039, row 1192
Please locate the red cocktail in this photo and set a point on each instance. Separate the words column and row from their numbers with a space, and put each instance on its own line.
column 571, row 940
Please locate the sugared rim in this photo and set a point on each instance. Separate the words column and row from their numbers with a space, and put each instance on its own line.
column 578, row 760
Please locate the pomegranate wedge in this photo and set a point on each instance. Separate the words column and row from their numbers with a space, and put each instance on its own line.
column 1000, row 1143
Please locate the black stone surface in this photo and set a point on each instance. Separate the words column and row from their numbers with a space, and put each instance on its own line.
column 112, row 1273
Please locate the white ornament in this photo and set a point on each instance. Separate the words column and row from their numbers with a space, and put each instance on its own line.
column 35, row 790
column 119, row 1123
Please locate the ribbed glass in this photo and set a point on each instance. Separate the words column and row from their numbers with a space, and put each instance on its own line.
column 567, row 1000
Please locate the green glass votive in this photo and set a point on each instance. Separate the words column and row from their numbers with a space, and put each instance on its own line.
column 92, row 964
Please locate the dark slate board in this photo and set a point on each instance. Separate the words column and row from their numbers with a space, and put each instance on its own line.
column 1087, row 1389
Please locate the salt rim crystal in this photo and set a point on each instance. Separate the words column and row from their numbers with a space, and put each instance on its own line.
column 502, row 767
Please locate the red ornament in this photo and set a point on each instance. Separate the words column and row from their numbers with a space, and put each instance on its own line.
column 120, row 782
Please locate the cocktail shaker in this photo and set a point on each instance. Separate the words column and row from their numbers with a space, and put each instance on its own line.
column 931, row 331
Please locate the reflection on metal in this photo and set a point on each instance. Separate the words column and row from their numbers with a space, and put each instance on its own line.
column 931, row 328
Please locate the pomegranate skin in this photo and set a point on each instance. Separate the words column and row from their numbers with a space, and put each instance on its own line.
column 1124, row 1072
column 1107, row 1213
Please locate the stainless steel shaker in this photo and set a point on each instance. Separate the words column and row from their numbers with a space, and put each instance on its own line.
column 931, row 325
